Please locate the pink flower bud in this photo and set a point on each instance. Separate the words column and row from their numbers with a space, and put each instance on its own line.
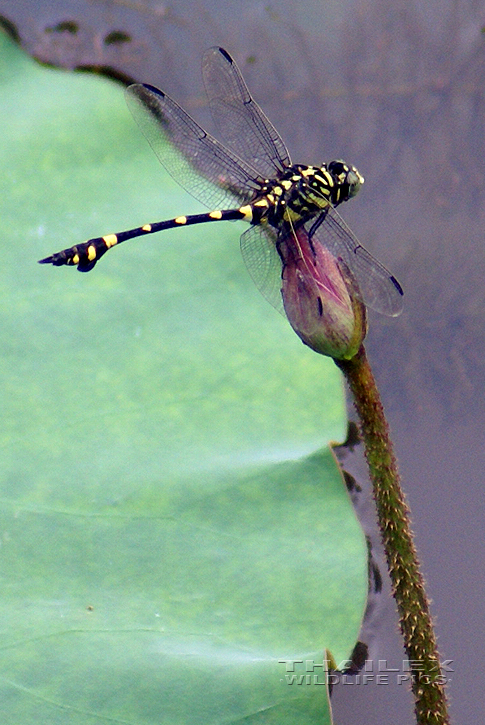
column 321, row 297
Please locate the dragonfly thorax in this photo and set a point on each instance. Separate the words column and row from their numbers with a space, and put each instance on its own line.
column 303, row 191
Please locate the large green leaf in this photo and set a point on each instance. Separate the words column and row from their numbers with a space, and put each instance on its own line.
column 172, row 529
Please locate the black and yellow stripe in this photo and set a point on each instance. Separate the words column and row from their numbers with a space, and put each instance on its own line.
column 86, row 254
column 300, row 192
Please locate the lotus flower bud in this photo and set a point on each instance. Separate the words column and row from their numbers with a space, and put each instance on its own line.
column 321, row 298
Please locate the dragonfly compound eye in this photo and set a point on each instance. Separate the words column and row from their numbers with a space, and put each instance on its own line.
column 348, row 178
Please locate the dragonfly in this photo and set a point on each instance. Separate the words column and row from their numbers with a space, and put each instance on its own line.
column 250, row 177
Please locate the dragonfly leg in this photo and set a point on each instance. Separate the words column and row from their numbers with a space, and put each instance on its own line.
column 316, row 224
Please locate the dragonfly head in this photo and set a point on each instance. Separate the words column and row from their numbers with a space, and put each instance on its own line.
column 348, row 179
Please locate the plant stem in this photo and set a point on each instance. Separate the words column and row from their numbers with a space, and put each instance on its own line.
column 394, row 524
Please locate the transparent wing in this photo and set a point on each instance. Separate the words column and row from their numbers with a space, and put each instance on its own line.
column 379, row 288
column 197, row 161
column 258, row 249
column 240, row 120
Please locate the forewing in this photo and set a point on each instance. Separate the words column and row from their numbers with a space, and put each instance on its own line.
column 238, row 117
column 380, row 290
column 258, row 249
column 197, row 161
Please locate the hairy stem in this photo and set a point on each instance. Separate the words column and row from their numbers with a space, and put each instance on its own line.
column 394, row 524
